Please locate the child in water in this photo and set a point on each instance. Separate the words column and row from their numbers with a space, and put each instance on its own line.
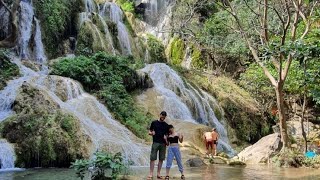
column 173, row 150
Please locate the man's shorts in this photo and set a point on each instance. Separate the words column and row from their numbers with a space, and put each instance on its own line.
column 154, row 151
column 208, row 144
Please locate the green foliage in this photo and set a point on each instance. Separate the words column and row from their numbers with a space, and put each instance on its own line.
column 176, row 51
column 51, row 139
column 55, row 16
column 288, row 158
column 197, row 60
column 8, row 69
column 110, row 78
column 254, row 80
column 222, row 38
column 100, row 165
column 126, row 5
column 156, row 49
column 312, row 162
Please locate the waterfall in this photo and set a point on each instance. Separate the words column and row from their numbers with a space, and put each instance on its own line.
column 97, row 122
column 39, row 56
column 182, row 101
column 158, row 17
column 107, row 34
column 8, row 94
column 90, row 11
column 123, row 37
column 116, row 15
column 90, row 6
column 7, row 156
column 25, row 29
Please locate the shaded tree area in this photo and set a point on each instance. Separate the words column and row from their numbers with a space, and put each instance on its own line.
column 272, row 44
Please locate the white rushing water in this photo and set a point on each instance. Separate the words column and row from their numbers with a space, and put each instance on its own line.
column 90, row 11
column 115, row 14
column 106, row 133
column 25, row 29
column 158, row 15
column 7, row 156
column 39, row 54
column 183, row 101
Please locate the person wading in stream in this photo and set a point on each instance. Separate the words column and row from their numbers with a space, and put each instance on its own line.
column 173, row 151
column 158, row 129
column 211, row 140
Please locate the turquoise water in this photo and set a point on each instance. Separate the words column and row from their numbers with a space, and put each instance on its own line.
column 212, row 172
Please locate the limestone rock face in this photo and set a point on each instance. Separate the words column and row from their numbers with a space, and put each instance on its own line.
column 30, row 99
column 262, row 150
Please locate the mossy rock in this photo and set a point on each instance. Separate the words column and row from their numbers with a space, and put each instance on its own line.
column 31, row 100
column 43, row 134
column 197, row 60
column 57, row 22
column 155, row 49
column 8, row 70
column 52, row 139
column 176, row 51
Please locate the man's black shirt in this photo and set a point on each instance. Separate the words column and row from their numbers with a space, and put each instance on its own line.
column 160, row 128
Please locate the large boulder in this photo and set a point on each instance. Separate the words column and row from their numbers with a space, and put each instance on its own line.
column 295, row 129
column 262, row 150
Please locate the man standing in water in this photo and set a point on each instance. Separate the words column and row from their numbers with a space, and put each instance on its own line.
column 158, row 129
column 211, row 140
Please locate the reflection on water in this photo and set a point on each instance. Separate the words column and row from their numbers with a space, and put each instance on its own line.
column 214, row 172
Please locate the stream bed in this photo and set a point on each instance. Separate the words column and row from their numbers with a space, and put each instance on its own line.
column 212, row 172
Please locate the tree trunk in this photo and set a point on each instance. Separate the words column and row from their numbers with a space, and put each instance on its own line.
column 304, row 107
column 282, row 115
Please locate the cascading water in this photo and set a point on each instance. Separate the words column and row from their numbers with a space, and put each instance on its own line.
column 7, row 156
column 183, row 101
column 8, row 94
column 90, row 6
column 113, row 11
column 25, row 27
column 90, row 11
column 39, row 54
column 105, row 132
column 158, row 17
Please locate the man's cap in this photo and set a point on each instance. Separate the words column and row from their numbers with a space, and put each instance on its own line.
column 163, row 113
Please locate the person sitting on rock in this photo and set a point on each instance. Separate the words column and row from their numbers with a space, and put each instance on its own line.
column 211, row 141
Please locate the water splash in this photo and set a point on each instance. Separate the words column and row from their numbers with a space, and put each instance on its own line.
column 182, row 101
column 7, row 156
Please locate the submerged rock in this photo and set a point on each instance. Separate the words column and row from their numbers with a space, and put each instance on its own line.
column 195, row 162
column 261, row 151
